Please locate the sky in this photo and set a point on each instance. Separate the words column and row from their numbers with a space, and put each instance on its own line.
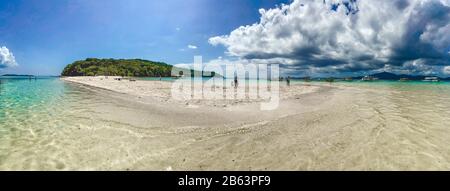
column 307, row 37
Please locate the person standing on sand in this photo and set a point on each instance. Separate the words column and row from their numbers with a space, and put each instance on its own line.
column 236, row 81
column 288, row 81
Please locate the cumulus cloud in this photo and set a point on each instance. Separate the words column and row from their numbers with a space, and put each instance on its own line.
column 446, row 70
column 7, row 58
column 416, row 67
column 346, row 35
column 192, row 46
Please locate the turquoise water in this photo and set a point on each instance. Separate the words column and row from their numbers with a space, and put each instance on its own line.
column 50, row 124
column 412, row 85
column 21, row 96
column 41, row 121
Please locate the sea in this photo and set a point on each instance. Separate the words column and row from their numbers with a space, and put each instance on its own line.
column 43, row 121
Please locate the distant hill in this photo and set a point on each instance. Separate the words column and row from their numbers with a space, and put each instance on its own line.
column 120, row 67
column 17, row 75
column 391, row 76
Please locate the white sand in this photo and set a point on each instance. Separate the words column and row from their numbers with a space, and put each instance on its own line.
column 137, row 126
column 161, row 91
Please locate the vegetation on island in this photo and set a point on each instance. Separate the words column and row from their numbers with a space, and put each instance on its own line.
column 117, row 67
column 128, row 67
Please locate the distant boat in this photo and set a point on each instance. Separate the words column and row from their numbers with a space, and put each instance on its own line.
column 431, row 79
column 369, row 78
column 348, row 79
column 403, row 79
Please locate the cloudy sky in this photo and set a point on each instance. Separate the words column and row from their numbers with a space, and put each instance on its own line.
column 307, row 37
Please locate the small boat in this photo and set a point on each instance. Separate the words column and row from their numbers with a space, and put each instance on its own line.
column 403, row 79
column 431, row 79
column 369, row 78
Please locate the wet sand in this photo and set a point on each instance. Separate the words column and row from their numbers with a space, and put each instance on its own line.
column 206, row 137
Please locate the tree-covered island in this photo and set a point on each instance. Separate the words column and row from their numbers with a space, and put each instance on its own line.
column 128, row 67
column 117, row 67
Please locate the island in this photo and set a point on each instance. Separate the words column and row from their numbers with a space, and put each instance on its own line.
column 117, row 67
column 17, row 75
column 128, row 67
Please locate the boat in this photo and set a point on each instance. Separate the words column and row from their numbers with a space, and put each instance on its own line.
column 403, row 79
column 369, row 78
column 431, row 79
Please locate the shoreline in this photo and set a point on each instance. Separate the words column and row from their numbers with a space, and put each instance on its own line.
column 191, row 132
column 232, row 112
column 161, row 91
column 210, row 124
column 334, row 127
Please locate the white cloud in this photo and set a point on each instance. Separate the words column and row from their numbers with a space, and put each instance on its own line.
column 416, row 67
column 192, row 46
column 446, row 70
column 358, row 35
column 7, row 58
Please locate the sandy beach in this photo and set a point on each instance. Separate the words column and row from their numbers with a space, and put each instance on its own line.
column 94, row 123
column 316, row 127
column 229, row 131
column 161, row 91
column 255, row 85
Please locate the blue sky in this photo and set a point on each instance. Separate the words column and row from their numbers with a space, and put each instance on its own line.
column 45, row 35
column 307, row 37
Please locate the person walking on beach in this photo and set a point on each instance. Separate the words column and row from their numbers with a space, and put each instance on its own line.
column 236, row 81
column 288, row 81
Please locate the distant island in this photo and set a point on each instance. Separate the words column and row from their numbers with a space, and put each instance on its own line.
column 125, row 67
column 117, row 67
column 380, row 76
column 18, row 75
column 392, row 76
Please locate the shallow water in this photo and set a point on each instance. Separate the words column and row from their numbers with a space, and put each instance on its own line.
column 49, row 124
column 401, row 125
column 43, row 124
